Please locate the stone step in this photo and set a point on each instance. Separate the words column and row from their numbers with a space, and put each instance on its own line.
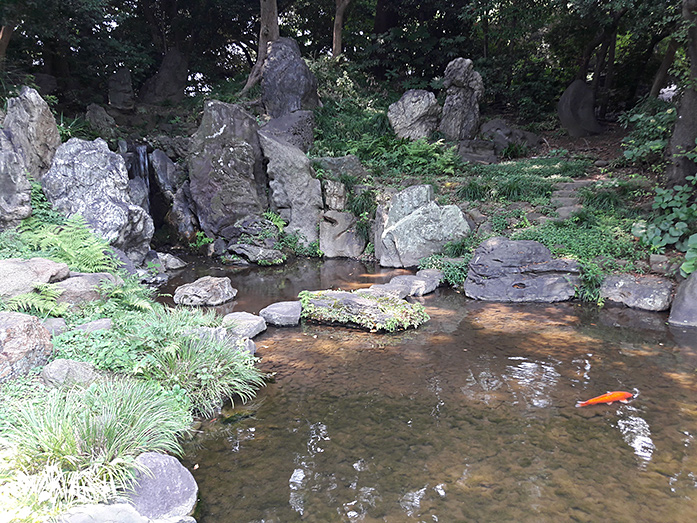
column 565, row 193
column 564, row 202
column 566, row 212
column 576, row 184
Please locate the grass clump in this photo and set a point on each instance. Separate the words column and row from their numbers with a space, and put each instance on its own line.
column 80, row 445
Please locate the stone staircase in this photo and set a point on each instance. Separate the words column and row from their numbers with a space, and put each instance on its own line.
column 566, row 198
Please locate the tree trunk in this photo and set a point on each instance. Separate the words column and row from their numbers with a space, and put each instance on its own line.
column 5, row 35
column 659, row 80
column 609, row 78
column 268, row 32
column 685, row 130
column 341, row 6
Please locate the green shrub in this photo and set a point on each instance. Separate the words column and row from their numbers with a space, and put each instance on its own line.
column 651, row 122
column 690, row 264
column 79, row 446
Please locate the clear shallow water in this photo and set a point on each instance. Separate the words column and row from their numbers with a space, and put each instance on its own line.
column 469, row 418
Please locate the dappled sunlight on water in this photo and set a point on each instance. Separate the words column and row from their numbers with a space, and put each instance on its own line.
column 470, row 418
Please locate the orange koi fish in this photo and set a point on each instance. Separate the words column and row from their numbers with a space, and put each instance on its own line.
column 609, row 398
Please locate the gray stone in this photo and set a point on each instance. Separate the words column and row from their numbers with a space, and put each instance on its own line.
column 287, row 84
column 67, row 373
column 415, row 115
column 86, row 178
column 335, row 197
column 296, row 128
column 520, row 271
column 576, row 110
column 170, row 262
column 208, row 290
column 32, row 130
column 420, row 234
column 56, row 326
column 82, row 287
column 434, row 274
column 339, row 166
column 417, row 285
column 116, row 513
column 24, row 343
column 225, row 168
column 282, row 314
column 167, row 490
column 100, row 121
column 103, row 324
column 649, row 293
column 477, row 151
column 372, row 311
column 19, row 276
column 15, row 189
column 503, row 135
column 181, row 217
column 464, row 88
column 168, row 84
column 244, row 324
column 168, row 176
column 120, row 87
column 338, row 236
column 175, row 147
column 257, row 254
column 396, row 290
column 225, row 335
column 683, row 313
column 294, row 193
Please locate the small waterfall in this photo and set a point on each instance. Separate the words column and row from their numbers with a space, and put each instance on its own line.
column 139, row 177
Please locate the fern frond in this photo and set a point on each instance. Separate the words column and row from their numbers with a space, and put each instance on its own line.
column 40, row 302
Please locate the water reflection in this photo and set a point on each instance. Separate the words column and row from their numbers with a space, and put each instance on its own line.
column 470, row 418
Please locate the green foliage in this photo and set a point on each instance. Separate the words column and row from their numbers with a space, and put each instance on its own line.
column 294, row 243
column 674, row 221
column 79, row 446
column 41, row 210
column 690, row 264
column 276, row 220
column 76, row 127
column 41, row 302
column 200, row 240
column 72, row 243
column 592, row 278
column 613, row 196
column 363, row 206
column 454, row 260
column 651, row 123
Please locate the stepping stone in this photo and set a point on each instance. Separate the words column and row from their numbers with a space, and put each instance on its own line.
column 574, row 185
column 564, row 202
column 565, row 193
column 566, row 212
column 282, row 314
column 244, row 324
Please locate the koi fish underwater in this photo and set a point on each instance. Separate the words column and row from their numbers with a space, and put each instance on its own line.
column 609, row 398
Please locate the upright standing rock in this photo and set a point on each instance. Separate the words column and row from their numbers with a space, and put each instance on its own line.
column 86, row 178
column 168, row 84
column 287, row 84
column 464, row 88
column 226, row 169
column 32, row 130
column 684, row 310
column 121, row 89
column 576, row 110
column 295, row 194
column 15, row 189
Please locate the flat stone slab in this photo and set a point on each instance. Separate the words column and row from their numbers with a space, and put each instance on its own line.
column 282, row 314
column 520, row 271
column 244, row 324
column 417, row 285
column 362, row 309
column 649, row 293
column 208, row 290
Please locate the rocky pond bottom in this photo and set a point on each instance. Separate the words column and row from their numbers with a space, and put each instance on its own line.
column 471, row 417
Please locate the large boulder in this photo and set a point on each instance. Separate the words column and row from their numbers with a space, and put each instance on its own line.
column 649, row 293
column 168, row 176
column 100, row 121
column 24, row 344
column 208, row 290
column 225, row 168
column 576, row 110
column 372, row 311
column 296, row 128
column 504, row 136
column 338, row 236
column 464, row 88
column 68, row 373
column 684, row 310
column 168, row 84
column 287, row 84
column 416, row 227
column 258, row 254
column 415, row 115
column 15, row 189
column 520, row 271
column 32, row 129
column 86, row 178
column 477, row 151
column 120, row 87
column 181, row 217
column 165, row 489
column 82, row 287
column 294, row 193
column 19, row 276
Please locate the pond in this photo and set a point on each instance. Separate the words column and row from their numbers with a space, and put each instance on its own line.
column 471, row 417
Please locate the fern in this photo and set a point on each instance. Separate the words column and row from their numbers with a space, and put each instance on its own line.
column 72, row 243
column 130, row 295
column 40, row 302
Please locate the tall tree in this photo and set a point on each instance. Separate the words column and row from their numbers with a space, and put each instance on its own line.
column 341, row 6
column 268, row 32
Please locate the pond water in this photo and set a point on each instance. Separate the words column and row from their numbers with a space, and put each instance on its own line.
column 471, row 417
